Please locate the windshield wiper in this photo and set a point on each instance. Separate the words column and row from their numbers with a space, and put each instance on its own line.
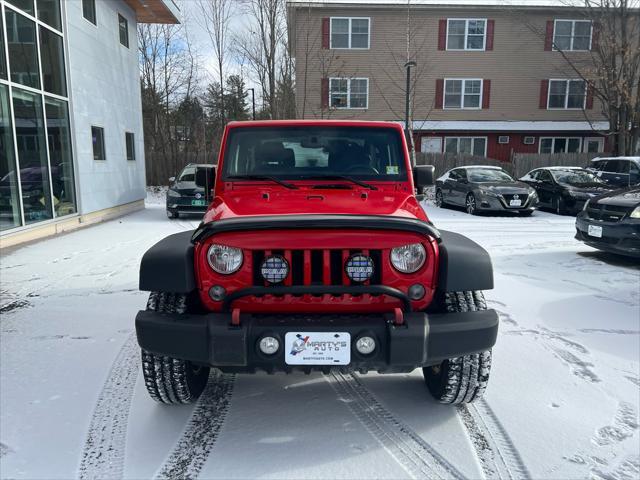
column 341, row 177
column 263, row 177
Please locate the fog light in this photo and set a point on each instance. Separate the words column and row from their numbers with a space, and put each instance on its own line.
column 416, row 292
column 217, row 293
column 365, row 345
column 269, row 345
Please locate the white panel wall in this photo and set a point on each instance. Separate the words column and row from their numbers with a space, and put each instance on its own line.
column 105, row 91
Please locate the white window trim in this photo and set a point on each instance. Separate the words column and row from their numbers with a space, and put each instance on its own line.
column 126, row 153
column 473, row 141
column 566, row 95
column 464, row 80
column 600, row 141
column 331, row 19
column 95, row 8
column 466, row 35
column 553, row 144
column 104, row 141
column 349, row 107
column 573, row 32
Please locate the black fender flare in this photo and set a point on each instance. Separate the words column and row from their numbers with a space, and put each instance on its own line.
column 464, row 265
column 168, row 265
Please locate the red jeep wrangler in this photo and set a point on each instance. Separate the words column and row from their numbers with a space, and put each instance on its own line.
column 315, row 255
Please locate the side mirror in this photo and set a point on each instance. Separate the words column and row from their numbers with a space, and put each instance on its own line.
column 172, row 179
column 202, row 178
column 423, row 176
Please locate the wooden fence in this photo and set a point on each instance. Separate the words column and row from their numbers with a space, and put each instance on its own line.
column 521, row 162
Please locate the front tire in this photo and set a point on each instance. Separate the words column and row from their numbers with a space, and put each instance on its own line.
column 559, row 206
column 460, row 379
column 526, row 213
column 171, row 380
column 470, row 204
column 439, row 198
column 171, row 215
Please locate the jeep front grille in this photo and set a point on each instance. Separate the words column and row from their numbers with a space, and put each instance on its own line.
column 316, row 267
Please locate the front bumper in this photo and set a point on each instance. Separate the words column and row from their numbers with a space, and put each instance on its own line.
column 184, row 204
column 622, row 237
column 498, row 204
column 211, row 339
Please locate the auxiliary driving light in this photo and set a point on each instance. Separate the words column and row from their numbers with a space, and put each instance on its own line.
column 274, row 269
column 217, row 293
column 416, row 291
column 269, row 345
column 359, row 268
column 365, row 345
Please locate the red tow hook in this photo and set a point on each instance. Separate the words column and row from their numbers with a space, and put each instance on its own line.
column 398, row 317
column 235, row 317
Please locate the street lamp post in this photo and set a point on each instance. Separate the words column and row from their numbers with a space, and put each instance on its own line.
column 408, row 66
column 253, row 102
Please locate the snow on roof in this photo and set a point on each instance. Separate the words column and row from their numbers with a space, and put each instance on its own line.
column 448, row 3
column 635, row 159
column 488, row 167
column 560, row 168
column 513, row 126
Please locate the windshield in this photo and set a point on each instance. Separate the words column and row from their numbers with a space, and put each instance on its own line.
column 298, row 153
column 483, row 175
column 575, row 177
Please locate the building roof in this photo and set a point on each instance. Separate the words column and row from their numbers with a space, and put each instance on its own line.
column 155, row 11
column 441, row 3
column 512, row 126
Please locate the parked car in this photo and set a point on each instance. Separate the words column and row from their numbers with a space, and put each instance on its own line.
column 617, row 171
column 481, row 188
column 565, row 189
column 611, row 222
column 184, row 196
column 316, row 256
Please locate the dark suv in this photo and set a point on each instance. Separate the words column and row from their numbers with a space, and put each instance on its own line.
column 186, row 195
column 617, row 171
column 611, row 222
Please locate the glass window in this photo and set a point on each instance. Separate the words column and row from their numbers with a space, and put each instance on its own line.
column 89, row 10
column 573, row 145
column 23, row 51
column 451, row 145
column 123, row 27
column 9, row 195
column 572, row 35
column 479, row 147
column 315, row 153
column 462, row 93
column 97, row 138
column 3, row 58
column 24, row 5
column 349, row 33
column 32, row 155
column 49, row 13
column 466, row 34
column 466, row 145
column 349, row 92
column 546, row 145
column 560, row 145
column 188, row 175
column 131, row 145
column 60, row 157
column 566, row 94
column 51, row 51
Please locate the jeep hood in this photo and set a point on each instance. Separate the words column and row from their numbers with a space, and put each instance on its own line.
column 261, row 202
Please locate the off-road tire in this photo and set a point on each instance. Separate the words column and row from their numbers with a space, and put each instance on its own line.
column 460, row 379
column 439, row 199
column 171, row 380
column 470, row 204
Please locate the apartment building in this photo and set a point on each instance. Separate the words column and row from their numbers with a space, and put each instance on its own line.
column 488, row 78
column 71, row 140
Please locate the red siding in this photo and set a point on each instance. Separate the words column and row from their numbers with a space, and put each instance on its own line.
column 486, row 94
column 324, row 93
column 589, row 105
column 544, row 93
column 442, row 34
column 325, row 33
column 439, row 93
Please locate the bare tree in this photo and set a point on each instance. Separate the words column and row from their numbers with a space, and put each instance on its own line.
column 263, row 47
column 611, row 70
column 216, row 20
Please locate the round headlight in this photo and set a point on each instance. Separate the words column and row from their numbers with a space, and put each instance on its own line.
column 223, row 259
column 408, row 258
column 274, row 269
column 359, row 268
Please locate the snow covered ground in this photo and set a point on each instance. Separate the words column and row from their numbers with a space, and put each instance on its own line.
column 562, row 402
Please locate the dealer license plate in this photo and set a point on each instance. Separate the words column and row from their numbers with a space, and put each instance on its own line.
column 515, row 203
column 317, row 348
column 199, row 203
column 595, row 231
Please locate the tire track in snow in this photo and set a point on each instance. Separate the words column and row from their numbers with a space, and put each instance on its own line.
column 498, row 455
column 199, row 436
column 410, row 450
column 104, row 448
